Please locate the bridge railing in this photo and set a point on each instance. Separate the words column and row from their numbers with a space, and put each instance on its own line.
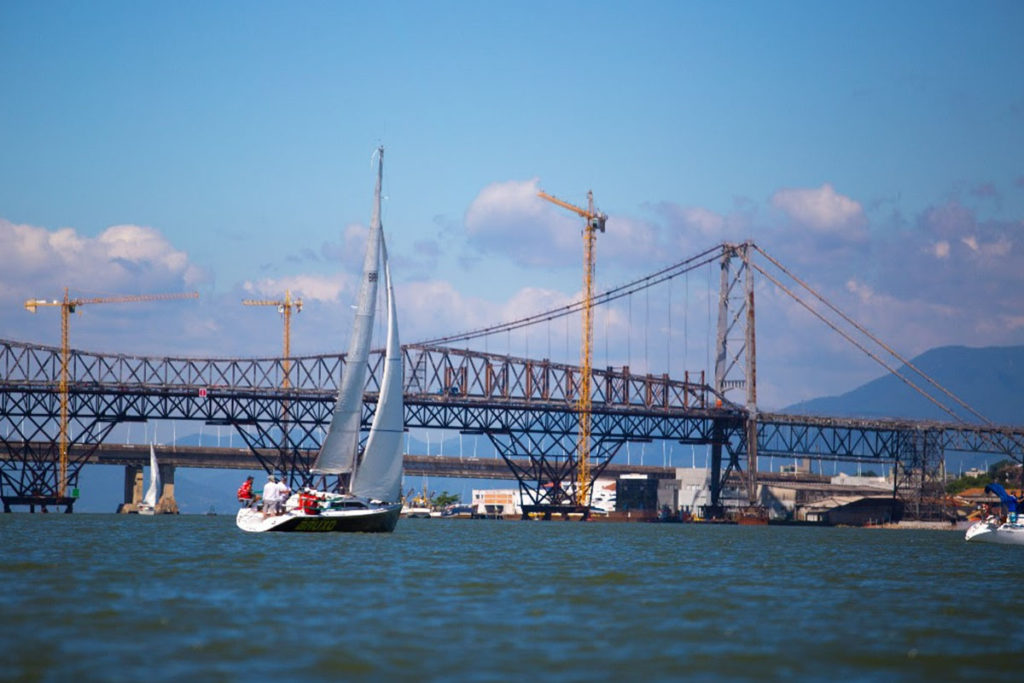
column 429, row 372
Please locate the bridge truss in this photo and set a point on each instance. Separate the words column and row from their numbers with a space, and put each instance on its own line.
column 525, row 407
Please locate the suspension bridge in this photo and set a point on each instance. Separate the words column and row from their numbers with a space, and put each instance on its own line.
column 527, row 408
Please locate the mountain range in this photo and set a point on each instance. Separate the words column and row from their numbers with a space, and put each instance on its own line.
column 990, row 380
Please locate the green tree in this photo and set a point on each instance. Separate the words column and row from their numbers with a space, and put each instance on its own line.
column 444, row 499
column 963, row 483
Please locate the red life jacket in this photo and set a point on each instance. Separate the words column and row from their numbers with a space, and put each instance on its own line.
column 308, row 503
column 245, row 490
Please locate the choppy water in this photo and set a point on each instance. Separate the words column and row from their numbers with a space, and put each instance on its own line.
column 106, row 597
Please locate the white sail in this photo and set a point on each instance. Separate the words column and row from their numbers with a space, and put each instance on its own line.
column 338, row 453
column 379, row 475
column 153, row 492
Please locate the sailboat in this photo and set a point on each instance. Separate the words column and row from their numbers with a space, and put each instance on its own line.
column 372, row 501
column 149, row 501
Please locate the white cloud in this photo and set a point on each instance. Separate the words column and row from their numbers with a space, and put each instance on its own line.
column 629, row 243
column 531, row 300
column 822, row 209
column 997, row 247
column 692, row 229
column 326, row 288
column 941, row 249
column 862, row 291
column 122, row 258
column 508, row 218
column 705, row 221
column 434, row 308
column 36, row 262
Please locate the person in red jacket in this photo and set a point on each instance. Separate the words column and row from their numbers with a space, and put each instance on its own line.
column 245, row 495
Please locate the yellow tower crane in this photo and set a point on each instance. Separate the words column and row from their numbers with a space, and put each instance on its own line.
column 67, row 307
column 285, row 309
column 595, row 220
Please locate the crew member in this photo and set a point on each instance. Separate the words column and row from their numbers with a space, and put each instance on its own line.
column 245, row 495
column 271, row 497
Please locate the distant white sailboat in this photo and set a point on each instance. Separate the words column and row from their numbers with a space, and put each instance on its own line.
column 372, row 502
column 149, row 501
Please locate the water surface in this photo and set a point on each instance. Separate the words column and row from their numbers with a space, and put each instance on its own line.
column 127, row 598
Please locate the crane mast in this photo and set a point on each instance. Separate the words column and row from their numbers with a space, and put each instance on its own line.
column 285, row 309
column 67, row 307
column 595, row 221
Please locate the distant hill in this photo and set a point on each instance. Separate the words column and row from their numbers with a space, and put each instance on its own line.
column 989, row 379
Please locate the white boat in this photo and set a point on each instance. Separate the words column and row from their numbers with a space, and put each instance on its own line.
column 372, row 503
column 416, row 512
column 994, row 530
column 149, row 501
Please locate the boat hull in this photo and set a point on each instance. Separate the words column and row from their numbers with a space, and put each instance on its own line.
column 991, row 531
column 382, row 519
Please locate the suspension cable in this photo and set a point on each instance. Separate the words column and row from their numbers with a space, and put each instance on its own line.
column 846, row 335
column 878, row 341
column 676, row 269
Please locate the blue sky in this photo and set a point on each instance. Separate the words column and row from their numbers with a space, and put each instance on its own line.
column 873, row 147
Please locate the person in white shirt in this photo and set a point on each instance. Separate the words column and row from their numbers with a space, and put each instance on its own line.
column 283, row 492
column 270, row 497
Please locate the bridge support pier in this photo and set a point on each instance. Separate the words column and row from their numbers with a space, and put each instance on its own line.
column 715, row 510
column 166, row 504
column 133, row 483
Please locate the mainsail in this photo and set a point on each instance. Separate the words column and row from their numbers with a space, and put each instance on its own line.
column 379, row 475
column 338, row 453
column 153, row 492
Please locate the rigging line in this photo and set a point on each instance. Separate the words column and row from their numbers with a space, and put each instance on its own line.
column 603, row 298
column 668, row 337
column 692, row 263
column 607, row 316
column 856, row 343
column 569, row 309
column 686, row 328
column 707, row 339
column 956, row 418
column 647, row 325
column 629, row 332
column 877, row 340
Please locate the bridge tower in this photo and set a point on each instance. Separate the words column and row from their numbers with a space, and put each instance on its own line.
column 735, row 366
column 918, row 486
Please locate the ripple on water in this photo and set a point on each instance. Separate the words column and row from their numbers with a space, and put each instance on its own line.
column 103, row 597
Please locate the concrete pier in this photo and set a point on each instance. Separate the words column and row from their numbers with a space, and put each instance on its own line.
column 133, row 490
column 166, row 505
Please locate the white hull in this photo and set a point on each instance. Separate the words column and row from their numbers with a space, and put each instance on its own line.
column 357, row 516
column 991, row 531
column 143, row 510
